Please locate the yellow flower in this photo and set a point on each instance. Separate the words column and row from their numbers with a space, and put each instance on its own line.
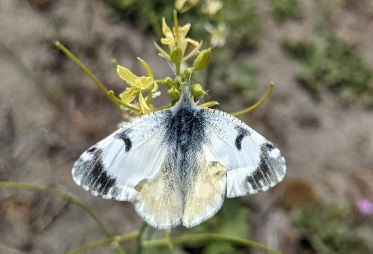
column 211, row 7
column 217, row 34
column 185, row 5
column 173, row 39
column 138, row 86
column 145, row 107
column 177, row 38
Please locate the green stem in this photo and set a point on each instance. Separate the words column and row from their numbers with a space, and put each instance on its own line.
column 164, row 53
column 159, row 81
column 177, row 69
column 86, row 71
column 176, row 25
column 105, row 242
column 163, row 107
column 154, row 23
column 186, row 239
column 257, row 104
column 112, row 97
column 61, row 195
column 169, row 241
column 194, row 51
column 139, row 238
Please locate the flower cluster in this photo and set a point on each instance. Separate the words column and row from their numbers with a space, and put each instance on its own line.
column 177, row 42
column 138, row 98
column 213, row 10
column 141, row 91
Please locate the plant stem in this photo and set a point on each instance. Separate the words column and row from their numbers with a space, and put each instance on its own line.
column 185, row 239
column 61, row 195
column 177, row 37
column 257, row 104
column 162, row 51
column 176, row 25
column 154, row 23
column 105, row 242
column 192, row 53
column 159, row 81
column 177, row 69
column 169, row 242
column 97, row 82
column 139, row 238
column 163, row 107
column 112, row 97
column 208, row 237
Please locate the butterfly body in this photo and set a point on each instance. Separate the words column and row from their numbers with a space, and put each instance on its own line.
column 177, row 165
column 184, row 138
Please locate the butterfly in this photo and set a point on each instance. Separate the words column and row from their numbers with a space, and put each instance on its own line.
column 177, row 165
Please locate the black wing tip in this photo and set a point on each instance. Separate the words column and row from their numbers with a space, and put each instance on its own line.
column 90, row 173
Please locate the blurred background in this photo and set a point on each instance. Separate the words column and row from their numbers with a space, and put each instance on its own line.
column 318, row 53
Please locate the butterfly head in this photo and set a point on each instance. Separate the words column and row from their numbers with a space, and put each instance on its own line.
column 186, row 92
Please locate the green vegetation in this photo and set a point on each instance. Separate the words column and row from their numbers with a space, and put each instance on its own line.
column 230, row 220
column 285, row 9
column 331, row 229
column 330, row 63
column 237, row 78
column 238, row 20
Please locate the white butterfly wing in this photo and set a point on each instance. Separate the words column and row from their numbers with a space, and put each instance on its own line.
column 206, row 194
column 114, row 166
column 253, row 163
column 132, row 165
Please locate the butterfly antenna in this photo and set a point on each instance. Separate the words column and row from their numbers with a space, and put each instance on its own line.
column 187, row 91
column 199, row 100
column 169, row 63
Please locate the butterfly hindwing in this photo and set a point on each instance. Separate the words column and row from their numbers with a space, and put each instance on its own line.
column 206, row 193
column 253, row 163
column 159, row 201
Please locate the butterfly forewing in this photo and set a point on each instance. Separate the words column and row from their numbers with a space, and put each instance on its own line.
column 113, row 167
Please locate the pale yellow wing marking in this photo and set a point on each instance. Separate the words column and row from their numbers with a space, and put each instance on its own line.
column 206, row 194
column 159, row 202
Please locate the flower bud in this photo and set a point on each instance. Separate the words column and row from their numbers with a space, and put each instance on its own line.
column 168, row 82
column 173, row 93
column 187, row 72
column 203, row 59
column 197, row 90
column 176, row 55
